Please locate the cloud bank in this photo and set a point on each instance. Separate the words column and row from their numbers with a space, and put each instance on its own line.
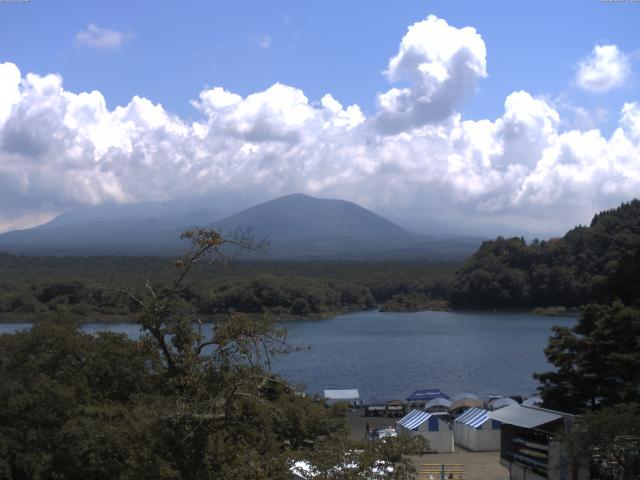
column 416, row 156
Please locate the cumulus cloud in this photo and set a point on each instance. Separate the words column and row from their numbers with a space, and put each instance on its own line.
column 99, row 37
column 442, row 65
column 604, row 69
column 59, row 148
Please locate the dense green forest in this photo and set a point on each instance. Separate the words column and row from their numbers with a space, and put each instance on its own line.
column 595, row 263
column 88, row 288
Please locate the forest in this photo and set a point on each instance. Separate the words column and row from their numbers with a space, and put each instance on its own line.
column 595, row 263
column 89, row 288
column 175, row 404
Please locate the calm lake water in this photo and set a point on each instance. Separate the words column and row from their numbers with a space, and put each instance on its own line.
column 388, row 355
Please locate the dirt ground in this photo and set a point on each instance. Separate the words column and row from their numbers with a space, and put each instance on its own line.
column 476, row 465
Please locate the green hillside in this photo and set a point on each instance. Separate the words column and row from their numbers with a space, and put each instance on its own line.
column 595, row 263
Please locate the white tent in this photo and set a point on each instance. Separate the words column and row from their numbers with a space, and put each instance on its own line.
column 502, row 402
column 431, row 427
column 476, row 431
column 465, row 396
column 532, row 402
column 438, row 404
column 335, row 396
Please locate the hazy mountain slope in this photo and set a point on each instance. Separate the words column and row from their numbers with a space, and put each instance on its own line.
column 150, row 228
column 302, row 216
column 303, row 226
column 298, row 226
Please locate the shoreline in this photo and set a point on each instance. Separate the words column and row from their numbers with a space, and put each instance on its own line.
column 11, row 318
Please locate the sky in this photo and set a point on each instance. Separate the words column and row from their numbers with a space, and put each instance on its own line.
column 522, row 116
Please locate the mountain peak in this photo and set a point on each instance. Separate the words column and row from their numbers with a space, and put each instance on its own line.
column 302, row 216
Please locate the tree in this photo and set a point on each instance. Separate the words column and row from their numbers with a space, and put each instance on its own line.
column 609, row 442
column 595, row 263
column 179, row 403
column 345, row 459
column 75, row 403
column 597, row 362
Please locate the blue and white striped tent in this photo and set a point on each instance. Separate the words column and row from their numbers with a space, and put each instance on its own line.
column 474, row 417
column 476, row 431
column 429, row 426
column 415, row 418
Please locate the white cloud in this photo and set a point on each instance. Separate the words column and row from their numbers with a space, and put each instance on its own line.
column 442, row 65
column 260, row 40
column 59, row 148
column 100, row 37
column 10, row 88
column 604, row 69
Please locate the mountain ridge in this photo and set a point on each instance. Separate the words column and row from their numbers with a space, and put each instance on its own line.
column 297, row 225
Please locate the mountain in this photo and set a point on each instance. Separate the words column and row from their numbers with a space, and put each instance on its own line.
column 301, row 216
column 303, row 226
column 150, row 228
column 297, row 226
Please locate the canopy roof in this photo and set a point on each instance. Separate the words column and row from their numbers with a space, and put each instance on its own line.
column 414, row 419
column 350, row 394
column 503, row 402
column 426, row 394
column 531, row 401
column 438, row 402
column 463, row 396
column 466, row 403
column 474, row 417
column 526, row 417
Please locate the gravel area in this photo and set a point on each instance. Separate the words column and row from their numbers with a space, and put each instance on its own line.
column 476, row 465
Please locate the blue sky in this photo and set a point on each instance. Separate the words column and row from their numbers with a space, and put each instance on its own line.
column 178, row 48
column 170, row 52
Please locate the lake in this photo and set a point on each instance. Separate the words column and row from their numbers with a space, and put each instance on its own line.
column 389, row 355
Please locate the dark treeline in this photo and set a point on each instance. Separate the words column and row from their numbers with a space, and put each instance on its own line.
column 88, row 288
column 595, row 263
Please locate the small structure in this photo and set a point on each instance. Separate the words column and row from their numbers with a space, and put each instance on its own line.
column 531, row 446
column 375, row 407
column 429, row 426
column 350, row 396
column 459, row 406
column 499, row 403
column 396, row 408
column 476, row 431
column 439, row 404
column 464, row 396
column 419, row 398
column 532, row 402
